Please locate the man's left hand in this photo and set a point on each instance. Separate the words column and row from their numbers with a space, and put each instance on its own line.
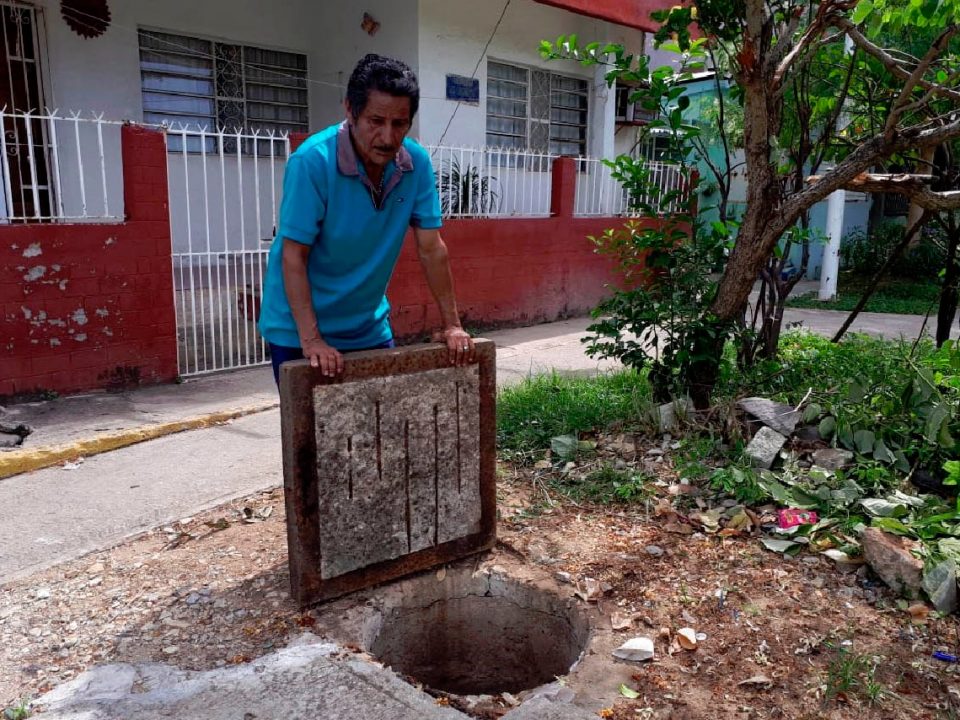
column 459, row 344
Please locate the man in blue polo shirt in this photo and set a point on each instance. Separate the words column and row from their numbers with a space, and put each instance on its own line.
column 349, row 195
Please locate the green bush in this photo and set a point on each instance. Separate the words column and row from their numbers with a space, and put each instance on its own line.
column 862, row 253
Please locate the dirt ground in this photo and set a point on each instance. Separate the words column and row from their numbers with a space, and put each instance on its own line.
column 785, row 637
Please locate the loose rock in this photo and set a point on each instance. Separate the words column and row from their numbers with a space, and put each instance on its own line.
column 764, row 447
column 891, row 558
column 832, row 459
column 776, row 416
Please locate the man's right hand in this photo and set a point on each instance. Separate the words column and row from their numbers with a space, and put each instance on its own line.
column 323, row 356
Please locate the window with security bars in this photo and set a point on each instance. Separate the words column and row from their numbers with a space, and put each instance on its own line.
column 537, row 110
column 196, row 83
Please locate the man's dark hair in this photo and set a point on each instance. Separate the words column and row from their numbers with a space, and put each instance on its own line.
column 376, row 72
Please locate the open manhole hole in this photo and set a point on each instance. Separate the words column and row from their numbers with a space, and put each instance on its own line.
column 479, row 634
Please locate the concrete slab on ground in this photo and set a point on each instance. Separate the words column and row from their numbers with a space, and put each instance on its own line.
column 311, row 681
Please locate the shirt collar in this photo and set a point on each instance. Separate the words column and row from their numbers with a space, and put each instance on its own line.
column 349, row 164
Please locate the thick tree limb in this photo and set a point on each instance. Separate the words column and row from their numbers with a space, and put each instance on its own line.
column 887, row 60
column 915, row 187
column 906, row 92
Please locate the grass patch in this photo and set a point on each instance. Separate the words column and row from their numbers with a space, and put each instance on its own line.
column 853, row 674
column 539, row 408
column 808, row 360
column 902, row 297
column 607, row 484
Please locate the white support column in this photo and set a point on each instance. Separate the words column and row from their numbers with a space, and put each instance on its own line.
column 603, row 114
column 830, row 265
column 836, row 204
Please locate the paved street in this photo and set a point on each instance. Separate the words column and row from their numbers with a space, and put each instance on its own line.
column 55, row 514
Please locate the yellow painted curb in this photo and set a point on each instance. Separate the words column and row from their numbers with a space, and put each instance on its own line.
column 21, row 461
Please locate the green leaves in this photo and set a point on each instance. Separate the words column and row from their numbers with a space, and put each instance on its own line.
column 860, row 13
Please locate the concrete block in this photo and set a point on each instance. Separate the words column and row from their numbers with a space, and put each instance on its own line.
column 389, row 469
column 669, row 415
column 891, row 558
column 764, row 447
column 777, row 416
column 314, row 680
column 832, row 459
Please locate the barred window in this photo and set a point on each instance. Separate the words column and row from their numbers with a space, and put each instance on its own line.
column 200, row 83
column 536, row 109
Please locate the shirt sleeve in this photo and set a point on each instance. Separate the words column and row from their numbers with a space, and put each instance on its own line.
column 304, row 203
column 426, row 206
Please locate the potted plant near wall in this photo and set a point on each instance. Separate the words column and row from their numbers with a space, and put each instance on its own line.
column 466, row 191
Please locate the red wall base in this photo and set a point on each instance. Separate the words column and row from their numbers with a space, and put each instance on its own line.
column 91, row 306
column 507, row 272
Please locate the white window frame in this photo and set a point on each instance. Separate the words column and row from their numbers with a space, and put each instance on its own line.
column 241, row 99
column 530, row 120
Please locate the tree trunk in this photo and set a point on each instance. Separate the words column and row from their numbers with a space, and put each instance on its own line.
column 950, row 293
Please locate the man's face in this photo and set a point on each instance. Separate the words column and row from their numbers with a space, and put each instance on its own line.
column 379, row 130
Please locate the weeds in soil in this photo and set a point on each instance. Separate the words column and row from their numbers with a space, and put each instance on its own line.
column 607, row 484
column 546, row 406
column 853, row 674
column 20, row 711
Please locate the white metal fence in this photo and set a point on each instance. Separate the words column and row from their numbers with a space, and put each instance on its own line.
column 60, row 168
column 492, row 182
column 599, row 194
column 225, row 190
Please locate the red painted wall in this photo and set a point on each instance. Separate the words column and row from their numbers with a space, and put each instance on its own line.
column 511, row 272
column 87, row 306
column 631, row 13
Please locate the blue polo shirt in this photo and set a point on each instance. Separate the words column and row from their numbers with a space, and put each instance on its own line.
column 354, row 245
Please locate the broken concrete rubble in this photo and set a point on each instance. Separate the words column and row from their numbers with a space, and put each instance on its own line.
column 764, row 447
column 774, row 415
column 891, row 558
column 832, row 459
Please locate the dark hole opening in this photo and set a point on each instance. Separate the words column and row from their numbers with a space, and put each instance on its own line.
column 481, row 644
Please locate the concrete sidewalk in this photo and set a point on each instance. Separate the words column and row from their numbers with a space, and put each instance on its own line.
column 85, row 425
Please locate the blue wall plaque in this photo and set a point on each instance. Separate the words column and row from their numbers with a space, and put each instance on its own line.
column 463, row 89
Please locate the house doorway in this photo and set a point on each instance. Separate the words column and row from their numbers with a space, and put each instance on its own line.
column 26, row 185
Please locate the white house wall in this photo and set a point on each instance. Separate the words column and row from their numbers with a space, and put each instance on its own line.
column 453, row 34
column 103, row 74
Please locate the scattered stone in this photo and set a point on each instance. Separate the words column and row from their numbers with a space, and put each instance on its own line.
column 832, row 459
column 891, row 558
column 940, row 585
column 669, row 415
column 554, row 692
column 43, row 594
column 764, row 447
column 808, row 434
column 171, row 650
column 636, row 649
column 687, row 638
column 654, row 550
column 620, row 622
column 774, row 415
